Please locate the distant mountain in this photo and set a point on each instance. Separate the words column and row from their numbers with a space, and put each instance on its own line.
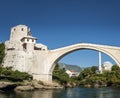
column 76, row 68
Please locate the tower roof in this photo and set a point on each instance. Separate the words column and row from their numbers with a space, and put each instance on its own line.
column 29, row 37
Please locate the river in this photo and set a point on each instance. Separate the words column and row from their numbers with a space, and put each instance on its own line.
column 65, row 93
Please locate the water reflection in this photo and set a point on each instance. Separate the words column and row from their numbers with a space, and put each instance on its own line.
column 107, row 93
column 42, row 94
column 65, row 93
column 2, row 95
column 33, row 94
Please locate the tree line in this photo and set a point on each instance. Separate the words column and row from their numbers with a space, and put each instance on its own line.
column 2, row 52
column 89, row 76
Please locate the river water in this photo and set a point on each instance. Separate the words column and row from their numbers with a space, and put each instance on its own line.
column 65, row 93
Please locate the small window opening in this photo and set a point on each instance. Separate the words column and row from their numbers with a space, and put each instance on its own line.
column 10, row 48
column 36, row 48
column 32, row 40
column 43, row 49
column 25, row 46
column 22, row 29
column 27, row 39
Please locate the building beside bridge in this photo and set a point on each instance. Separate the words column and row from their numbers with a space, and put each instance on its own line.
column 71, row 70
column 22, row 51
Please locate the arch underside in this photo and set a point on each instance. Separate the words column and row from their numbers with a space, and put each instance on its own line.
column 63, row 52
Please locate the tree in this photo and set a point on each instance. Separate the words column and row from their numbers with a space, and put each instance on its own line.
column 86, row 73
column 93, row 69
column 115, row 68
column 60, row 75
column 8, row 73
column 2, row 52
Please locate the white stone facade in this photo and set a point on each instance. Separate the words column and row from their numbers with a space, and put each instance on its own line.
column 21, row 49
column 107, row 66
column 72, row 73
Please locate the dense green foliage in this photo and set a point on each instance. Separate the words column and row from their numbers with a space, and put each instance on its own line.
column 9, row 74
column 59, row 75
column 110, row 78
column 90, row 76
column 2, row 52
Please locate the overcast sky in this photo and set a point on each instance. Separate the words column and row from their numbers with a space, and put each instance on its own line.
column 58, row 23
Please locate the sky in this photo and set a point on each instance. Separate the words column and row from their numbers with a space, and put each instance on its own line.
column 59, row 23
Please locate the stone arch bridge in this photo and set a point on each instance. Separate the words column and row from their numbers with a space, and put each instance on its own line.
column 47, row 63
column 24, row 54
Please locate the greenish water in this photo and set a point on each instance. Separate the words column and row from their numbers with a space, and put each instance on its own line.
column 66, row 93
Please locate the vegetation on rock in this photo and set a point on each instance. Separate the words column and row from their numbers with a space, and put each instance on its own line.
column 9, row 74
column 2, row 52
column 108, row 78
column 59, row 75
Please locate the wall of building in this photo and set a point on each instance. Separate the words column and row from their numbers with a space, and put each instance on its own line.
column 19, row 32
column 24, row 54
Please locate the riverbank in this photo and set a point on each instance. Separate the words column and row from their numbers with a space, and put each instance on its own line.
column 99, row 84
column 22, row 81
column 38, row 85
column 28, row 85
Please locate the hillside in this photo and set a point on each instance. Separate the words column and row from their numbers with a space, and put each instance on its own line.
column 76, row 68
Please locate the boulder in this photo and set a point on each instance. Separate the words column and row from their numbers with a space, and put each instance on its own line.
column 24, row 88
column 37, row 85
column 7, row 86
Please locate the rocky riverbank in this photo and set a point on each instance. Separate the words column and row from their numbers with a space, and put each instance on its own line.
column 28, row 85
column 37, row 85
column 99, row 84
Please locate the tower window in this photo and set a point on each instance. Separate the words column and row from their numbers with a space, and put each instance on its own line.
column 25, row 46
column 43, row 49
column 32, row 40
column 14, row 29
column 22, row 29
column 36, row 48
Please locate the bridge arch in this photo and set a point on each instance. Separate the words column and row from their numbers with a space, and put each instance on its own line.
column 61, row 52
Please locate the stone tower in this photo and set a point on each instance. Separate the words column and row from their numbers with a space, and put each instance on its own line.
column 21, row 49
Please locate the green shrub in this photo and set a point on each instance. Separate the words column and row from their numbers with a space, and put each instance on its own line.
column 9, row 74
column 2, row 52
column 59, row 75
